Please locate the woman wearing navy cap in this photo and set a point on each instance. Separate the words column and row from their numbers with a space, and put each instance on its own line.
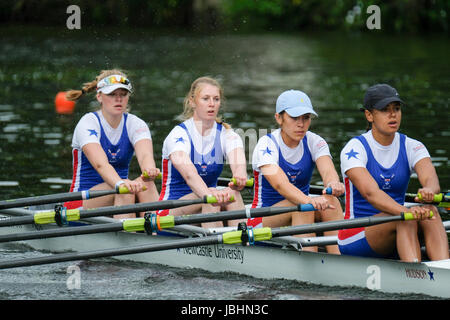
column 104, row 143
column 283, row 163
column 376, row 167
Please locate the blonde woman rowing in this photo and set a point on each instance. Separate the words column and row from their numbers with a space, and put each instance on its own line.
column 104, row 142
column 194, row 152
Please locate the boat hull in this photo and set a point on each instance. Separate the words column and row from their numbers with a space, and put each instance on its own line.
column 267, row 261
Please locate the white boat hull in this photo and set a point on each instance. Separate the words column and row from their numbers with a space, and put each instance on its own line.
column 268, row 262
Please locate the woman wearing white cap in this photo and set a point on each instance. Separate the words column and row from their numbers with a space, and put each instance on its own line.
column 283, row 163
column 104, row 143
column 376, row 167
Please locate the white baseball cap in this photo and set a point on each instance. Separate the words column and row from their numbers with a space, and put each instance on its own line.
column 295, row 103
column 113, row 82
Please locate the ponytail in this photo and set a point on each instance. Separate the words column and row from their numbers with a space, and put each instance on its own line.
column 74, row 95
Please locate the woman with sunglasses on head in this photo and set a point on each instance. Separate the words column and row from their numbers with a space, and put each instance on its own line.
column 283, row 163
column 194, row 152
column 376, row 167
column 104, row 143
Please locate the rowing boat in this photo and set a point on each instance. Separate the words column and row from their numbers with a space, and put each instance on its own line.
column 430, row 277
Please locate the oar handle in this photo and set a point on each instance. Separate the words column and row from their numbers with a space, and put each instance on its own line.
column 145, row 175
column 211, row 199
column 410, row 216
column 248, row 183
column 124, row 190
column 436, row 198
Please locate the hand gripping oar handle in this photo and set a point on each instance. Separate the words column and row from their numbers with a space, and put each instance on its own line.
column 248, row 183
column 437, row 198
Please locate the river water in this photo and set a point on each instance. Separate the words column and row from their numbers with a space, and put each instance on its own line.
column 334, row 69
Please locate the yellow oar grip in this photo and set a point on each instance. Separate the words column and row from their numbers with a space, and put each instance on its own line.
column 212, row 199
column 138, row 224
column 437, row 197
column 145, row 175
column 410, row 216
column 46, row 217
column 259, row 234
column 124, row 190
column 248, row 183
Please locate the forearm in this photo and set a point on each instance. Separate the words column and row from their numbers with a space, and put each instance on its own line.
column 279, row 181
column 238, row 163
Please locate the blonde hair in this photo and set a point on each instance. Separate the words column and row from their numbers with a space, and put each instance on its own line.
column 188, row 110
column 74, row 95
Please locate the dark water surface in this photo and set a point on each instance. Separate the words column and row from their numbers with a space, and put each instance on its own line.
column 333, row 69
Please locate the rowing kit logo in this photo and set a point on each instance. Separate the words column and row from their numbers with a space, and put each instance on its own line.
column 386, row 181
column 216, row 251
column 113, row 155
column 203, row 168
column 293, row 175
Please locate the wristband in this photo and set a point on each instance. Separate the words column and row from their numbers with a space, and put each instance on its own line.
column 118, row 183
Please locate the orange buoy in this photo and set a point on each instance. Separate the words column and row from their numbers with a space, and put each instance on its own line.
column 62, row 105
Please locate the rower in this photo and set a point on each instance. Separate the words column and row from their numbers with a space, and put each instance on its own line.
column 283, row 164
column 376, row 167
column 194, row 151
column 104, row 143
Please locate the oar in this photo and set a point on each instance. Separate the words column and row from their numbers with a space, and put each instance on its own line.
column 440, row 199
column 60, row 197
column 220, row 181
column 153, row 223
column 51, row 216
column 232, row 237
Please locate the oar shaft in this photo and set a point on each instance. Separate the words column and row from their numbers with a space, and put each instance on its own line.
column 75, row 214
column 59, row 197
column 334, row 225
column 16, row 221
column 132, row 225
column 239, row 214
column 201, row 241
column 138, row 207
column 62, row 232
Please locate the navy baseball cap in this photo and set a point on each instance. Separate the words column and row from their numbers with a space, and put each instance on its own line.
column 379, row 96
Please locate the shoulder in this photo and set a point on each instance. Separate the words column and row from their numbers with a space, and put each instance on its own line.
column 352, row 148
column 88, row 118
column 177, row 133
column 88, row 121
column 314, row 140
column 135, row 122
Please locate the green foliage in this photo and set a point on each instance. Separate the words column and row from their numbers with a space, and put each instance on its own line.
column 410, row 16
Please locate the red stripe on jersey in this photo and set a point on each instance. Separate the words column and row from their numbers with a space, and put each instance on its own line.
column 74, row 168
column 256, row 188
column 164, row 179
column 347, row 198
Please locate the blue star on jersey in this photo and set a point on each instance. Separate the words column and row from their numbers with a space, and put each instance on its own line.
column 267, row 150
column 92, row 132
column 352, row 154
column 180, row 139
